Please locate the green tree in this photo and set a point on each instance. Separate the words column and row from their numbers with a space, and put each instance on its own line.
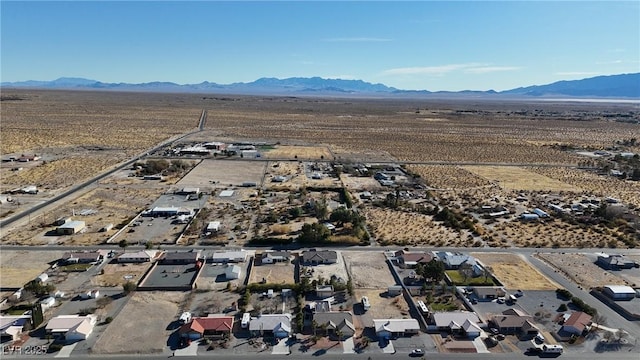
column 321, row 209
column 433, row 270
column 314, row 233
column 129, row 287
column 123, row 244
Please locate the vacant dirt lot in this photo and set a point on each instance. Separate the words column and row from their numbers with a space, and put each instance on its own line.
column 152, row 312
column 515, row 178
column 383, row 307
column 274, row 273
column 515, row 273
column 358, row 183
column 581, row 270
column 223, row 173
column 118, row 274
column 295, row 175
column 298, row 152
column 403, row 228
column 19, row 267
column 448, row 177
column 368, row 270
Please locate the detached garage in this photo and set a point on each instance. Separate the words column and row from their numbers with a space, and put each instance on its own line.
column 71, row 227
column 620, row 292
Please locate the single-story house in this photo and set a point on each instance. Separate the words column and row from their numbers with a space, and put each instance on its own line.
column 315, row 257
column 71, row 227
column 180, row 257
column 71, row 327
column 271, row 257
column 454, row 260
column 514, row 324
column 577, row 323
column 212, row 326
column 619, row 292
column 324, row 291
column 12, row 326
column 488, row 293
column 411, row 260
column 224, row 257
column 137, row 257
column 232, row 272
column 81, row 257
column 335, row 322
column 471, row 329
column 277, row 324
column 452, row 321
column 389, row 328
column 614, row 262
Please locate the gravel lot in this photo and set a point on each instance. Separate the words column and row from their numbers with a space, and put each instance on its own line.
column 224, row 173
column 19, row 267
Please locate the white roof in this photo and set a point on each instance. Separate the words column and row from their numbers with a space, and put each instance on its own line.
column 213, row 225
column 137, row 255
column 65, row 323
column 242, row 254
column 621, row 289
column 395, row 325
column 226, row 193
column 72, row 224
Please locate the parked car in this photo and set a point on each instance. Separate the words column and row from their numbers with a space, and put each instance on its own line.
column 416, row 352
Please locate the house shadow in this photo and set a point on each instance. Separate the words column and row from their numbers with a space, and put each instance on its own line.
column 175, row 324
column 51, row 233
column 358, row 309
column 173, row 342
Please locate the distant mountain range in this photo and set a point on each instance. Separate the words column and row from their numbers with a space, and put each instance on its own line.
column 612, row 86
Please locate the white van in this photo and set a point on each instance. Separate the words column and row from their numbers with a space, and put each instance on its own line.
column 246, row 317
column 365, row 303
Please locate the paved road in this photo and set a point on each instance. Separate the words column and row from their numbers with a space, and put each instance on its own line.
column 622, row 355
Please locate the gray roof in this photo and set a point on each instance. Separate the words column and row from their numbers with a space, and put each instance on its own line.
column 335, row 317
column 313, row 255
column 443, row 319
column 268, row 322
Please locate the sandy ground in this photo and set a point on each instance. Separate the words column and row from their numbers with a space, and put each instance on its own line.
column 552, row 233
column 19, row 267
column 298, row 152
column 515, row 178
column 515, row 273
column 357, row 183
column 402, row 228
column 383, row 307
column 274, row 273
column 582, row 270
column 223, row 173
column 368, row 270
column 625, row 190
column 118, row 274
column 153, row 311
column 448, row 177
column 296, row 177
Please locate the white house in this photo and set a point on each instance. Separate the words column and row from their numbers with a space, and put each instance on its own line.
column 71, row 327
column 620, row 292
column 388, row 328
column 277, row 324
column 471, row 329
column 48, row 302
column 229, row 256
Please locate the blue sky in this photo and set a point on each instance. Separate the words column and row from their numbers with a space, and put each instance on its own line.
column 451, row 45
